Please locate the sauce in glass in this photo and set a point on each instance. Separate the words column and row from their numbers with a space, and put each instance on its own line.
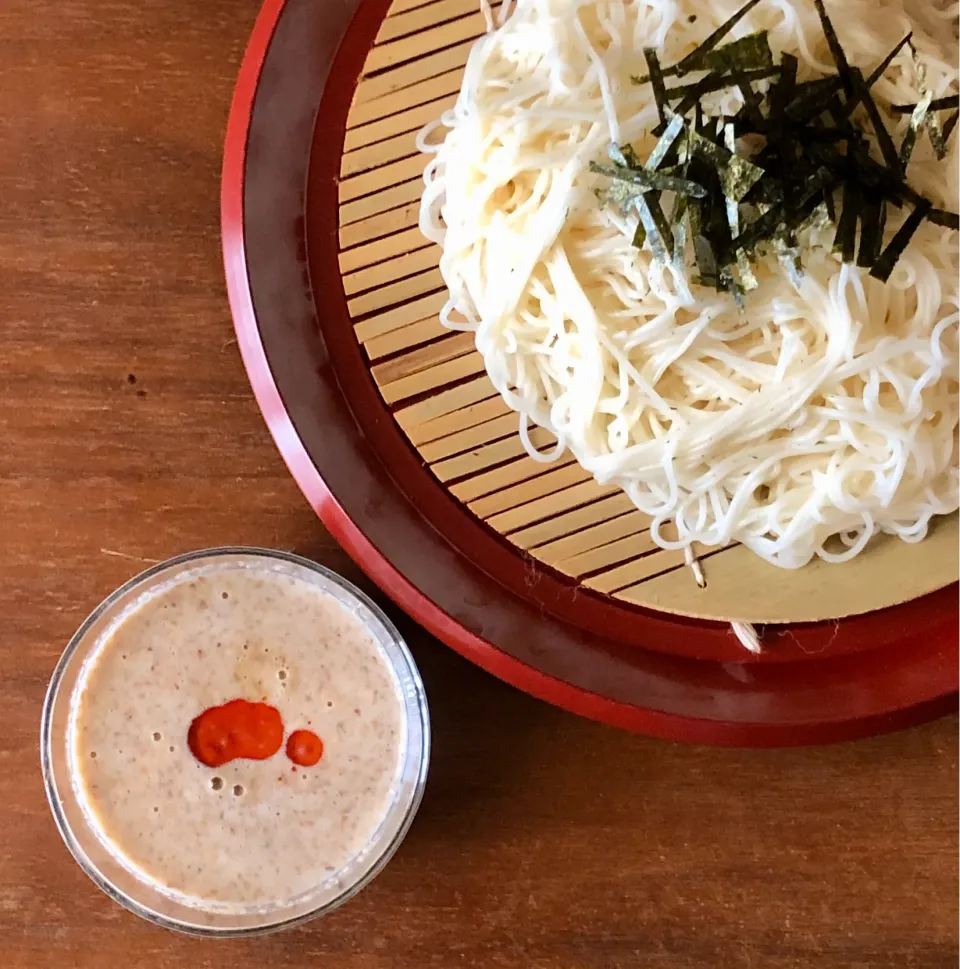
column 187, row 776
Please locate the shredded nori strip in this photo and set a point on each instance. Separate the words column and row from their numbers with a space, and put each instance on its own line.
column 659, row 246
column 785, row 246
column 703, row 253
column 949, row 220
column 887, row 147
column 679, row 222
column 883, row 266
column 782, row 92
column 747, row 279
column 624, row 155
column 665, row 143
column 872, row 218
column 812, row 97
column 747, row 53
column 936, row 104
column 691, row 93
column 763, row 228
column 737, row 175
column 622, row 195
column 818, row 219
column 806, row 162
column 933, row 125
column 779, row 130
column 649, row 181
column 881, row 68
column 791, row 212
column 917, row 119
column 836, row 49
column 820, row 135
column 656, row 81
column 845, row 240
column 661, row 221
column 751, row 102
column 949, row 125
column 730, row 284
column 696, row 57
column 830, row 205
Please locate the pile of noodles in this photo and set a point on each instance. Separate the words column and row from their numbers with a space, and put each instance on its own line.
column 799, row 426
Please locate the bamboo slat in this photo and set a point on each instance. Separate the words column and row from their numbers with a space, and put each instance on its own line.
column 382, row 273
column 414, row 335
column 433, row 378
column 435, row 36
column 486, row 484
column 479, row 412
column 381, row 178
column 417, row 71
column 463, row 431
column 401, row 6
column 594, row 537
column 399, row 292
column 372, row 232
column 391, row 197
column 434, row 382
column 369, row 157
column 572, row 522
column 411, row 120
column 462, row 440
column 405, row 99
column 549, row 506
column 478, row 459
column 404, row 23
column 446, row 348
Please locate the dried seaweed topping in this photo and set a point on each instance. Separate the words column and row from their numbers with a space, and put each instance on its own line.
column 794, row 156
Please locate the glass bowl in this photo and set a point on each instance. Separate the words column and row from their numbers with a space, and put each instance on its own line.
column 105, row 864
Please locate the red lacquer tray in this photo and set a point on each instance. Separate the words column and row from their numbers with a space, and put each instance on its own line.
column 664, row 675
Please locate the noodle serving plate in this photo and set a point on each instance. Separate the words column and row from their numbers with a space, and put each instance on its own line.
column 367, row 471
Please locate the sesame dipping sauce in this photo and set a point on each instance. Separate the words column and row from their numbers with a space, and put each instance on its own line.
column 238, row 739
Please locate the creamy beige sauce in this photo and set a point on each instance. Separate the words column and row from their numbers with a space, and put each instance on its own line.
column 248, row 831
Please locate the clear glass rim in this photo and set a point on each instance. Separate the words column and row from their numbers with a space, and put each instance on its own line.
column 53, row 794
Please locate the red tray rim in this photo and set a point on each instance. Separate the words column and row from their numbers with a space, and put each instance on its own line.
column 383, row 573
column 625, row 623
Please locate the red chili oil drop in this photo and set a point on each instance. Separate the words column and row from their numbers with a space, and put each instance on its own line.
column 304, row 748
column 234, row 730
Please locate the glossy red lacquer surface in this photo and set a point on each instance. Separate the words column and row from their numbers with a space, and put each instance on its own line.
column 664, row 675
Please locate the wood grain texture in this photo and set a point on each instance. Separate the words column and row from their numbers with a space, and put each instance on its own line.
column 130, row 434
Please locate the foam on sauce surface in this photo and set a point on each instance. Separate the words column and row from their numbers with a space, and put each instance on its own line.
column 247, row 831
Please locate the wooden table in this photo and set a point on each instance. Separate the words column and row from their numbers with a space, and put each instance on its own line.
column 130, row 434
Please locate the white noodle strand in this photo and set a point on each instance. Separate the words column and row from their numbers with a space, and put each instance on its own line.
column 747, row 635
column 820, row 416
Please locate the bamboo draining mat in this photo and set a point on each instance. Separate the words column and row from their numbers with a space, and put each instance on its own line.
column 434, row 381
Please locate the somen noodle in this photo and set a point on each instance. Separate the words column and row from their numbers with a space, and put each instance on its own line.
column 801, row 425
